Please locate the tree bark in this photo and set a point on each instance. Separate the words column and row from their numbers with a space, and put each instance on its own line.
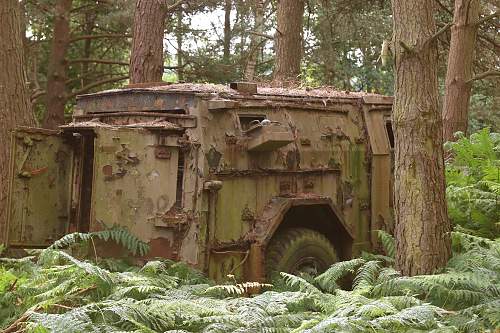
column 288, row 41
column 227, row 31
column 57, row 76
column 179, row 34
column 422, row 225
column 146, row 59
column 256, row 41
column 15, row 106
column 460, row 61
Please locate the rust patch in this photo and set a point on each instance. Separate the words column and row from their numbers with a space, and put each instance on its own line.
column 107, row 170
column 162, row 247
column 162, row 152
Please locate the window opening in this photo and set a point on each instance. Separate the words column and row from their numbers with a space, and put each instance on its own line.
column 390, row 134
column 247, row 121
column 180, row 179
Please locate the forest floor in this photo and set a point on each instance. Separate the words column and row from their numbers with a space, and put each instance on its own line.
column 53, row 291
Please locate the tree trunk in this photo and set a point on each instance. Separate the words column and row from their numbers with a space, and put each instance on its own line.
column 15, row 106
column 179, row 34
column 288, row 41
column 422, row 225
column 89, row 24
column 256, row 41
column 146, row 58
column 56, row 76
column 227, row 31
column 460, row 60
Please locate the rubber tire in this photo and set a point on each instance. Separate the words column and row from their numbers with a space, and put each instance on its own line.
column 288, row 247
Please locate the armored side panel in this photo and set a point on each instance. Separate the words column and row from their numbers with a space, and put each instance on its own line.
column 135, row 183
column 39, row 200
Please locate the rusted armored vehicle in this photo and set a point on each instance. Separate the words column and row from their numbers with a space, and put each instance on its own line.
column 233, row 180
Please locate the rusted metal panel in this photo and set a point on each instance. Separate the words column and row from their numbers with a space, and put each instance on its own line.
column 268, row 137
column 134, row 100
column 134, row 118
column 133, row 186
column 40, row 188
column 375, row 123
column 378, row 99
column 179, row 168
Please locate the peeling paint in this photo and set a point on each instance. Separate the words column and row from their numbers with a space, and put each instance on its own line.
column 181, row 172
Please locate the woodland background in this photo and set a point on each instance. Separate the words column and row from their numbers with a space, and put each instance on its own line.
column 217, row 42
column 74, row 47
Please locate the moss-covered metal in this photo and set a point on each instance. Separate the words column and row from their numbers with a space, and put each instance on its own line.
column 207, row 174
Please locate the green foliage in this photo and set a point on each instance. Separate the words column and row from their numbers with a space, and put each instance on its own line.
column 56, row 292
column 473, row 183
column 118, row 235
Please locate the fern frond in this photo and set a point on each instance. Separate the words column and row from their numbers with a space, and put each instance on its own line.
column 300, row 283
column 388, row 242
column 366, row 276
column 328, row 280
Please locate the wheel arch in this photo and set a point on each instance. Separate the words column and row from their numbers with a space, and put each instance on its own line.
column 316, row 213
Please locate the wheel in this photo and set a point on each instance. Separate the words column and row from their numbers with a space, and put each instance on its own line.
column 298, row 251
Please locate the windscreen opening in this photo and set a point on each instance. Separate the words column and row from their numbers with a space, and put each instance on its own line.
column 247, row 121
column 390, row 133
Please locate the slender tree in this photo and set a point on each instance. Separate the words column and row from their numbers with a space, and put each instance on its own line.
column 15, row 106
column 179, row 34
column 288, row 40
column 228, row 4
column 56, row 78
column 422, row 225
column 256, row 43
column 459, row 71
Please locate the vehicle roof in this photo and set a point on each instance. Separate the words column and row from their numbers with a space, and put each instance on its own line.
column 262, row 91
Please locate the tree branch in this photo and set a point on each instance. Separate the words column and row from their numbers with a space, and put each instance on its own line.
column 97, row 61
column 96, row 84
column 37, row 94
column 446, row 9
column 484, row 75
column 487, row 18
column 174, row 6
column 96, row 36
column 261, row 34
column 407, row 48
column 438, row 33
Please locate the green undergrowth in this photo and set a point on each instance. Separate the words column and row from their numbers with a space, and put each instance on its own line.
column 473, row 182
column 54, row 291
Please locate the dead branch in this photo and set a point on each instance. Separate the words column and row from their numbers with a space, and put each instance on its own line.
column 97, row 36
column 37, row 94
column 97, row 61
column 446, row 9
column 13, row 327
column 484, row 75
column 487, row 18
column 174, row 6
column 438, row 33
column 407, row 48
column 96, row 84
column 261, row 34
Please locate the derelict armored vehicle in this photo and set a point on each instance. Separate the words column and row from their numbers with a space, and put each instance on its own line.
column 233, row 180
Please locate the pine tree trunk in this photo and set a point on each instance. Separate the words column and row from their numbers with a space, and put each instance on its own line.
column 288, row 41
column 460, row 60
column 227, row 31
column 256, row 41
column 179, row 33
column 56, row 78
column 15, row 106
column 146, row 59
column 422, row 225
